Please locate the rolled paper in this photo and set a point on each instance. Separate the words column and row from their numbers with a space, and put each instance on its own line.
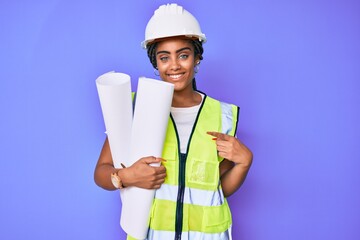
column 114, row 91
column 151, row 115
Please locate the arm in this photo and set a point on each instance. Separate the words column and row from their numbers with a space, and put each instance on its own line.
column 140, row 174
column 237, row 162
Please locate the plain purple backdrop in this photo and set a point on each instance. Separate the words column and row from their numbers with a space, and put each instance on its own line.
column 292, row 66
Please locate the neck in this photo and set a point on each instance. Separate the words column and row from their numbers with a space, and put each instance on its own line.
column 186, row 99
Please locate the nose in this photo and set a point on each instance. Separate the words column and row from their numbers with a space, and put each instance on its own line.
column 175, row 65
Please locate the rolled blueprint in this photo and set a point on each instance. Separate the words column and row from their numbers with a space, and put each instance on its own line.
column 151, row 116
column 114, row 91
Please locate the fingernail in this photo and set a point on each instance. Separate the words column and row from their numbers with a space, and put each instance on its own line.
column 214, row 139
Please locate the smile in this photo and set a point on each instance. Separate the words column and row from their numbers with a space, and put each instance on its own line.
column 175, row 76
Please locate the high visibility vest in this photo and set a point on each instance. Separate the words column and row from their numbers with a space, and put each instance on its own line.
column 190, row 203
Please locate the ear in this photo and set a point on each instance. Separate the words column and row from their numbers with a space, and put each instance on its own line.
column 197, row 59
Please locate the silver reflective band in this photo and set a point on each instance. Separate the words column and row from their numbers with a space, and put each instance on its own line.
column 191, row 195
column 164, row 235
column 226, row 117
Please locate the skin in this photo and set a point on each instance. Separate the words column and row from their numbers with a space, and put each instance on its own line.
column 175, row 62
column 235, row 167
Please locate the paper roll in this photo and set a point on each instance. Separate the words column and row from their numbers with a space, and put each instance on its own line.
column 114, row 91
column 151, row 116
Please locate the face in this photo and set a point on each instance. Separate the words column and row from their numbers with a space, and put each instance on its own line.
column 176, row 61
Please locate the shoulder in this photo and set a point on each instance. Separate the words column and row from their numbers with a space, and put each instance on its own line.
column 211, row 100
column 229, row 114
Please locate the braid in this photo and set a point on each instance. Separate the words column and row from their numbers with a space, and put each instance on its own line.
column 198, row 48
column 152, row 54
column 198, row 51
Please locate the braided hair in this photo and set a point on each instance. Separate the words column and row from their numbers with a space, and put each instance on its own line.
column 198, row 51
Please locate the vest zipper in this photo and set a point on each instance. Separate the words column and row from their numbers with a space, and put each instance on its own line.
column 181, row 188
column 182, row 168
column 180, row 197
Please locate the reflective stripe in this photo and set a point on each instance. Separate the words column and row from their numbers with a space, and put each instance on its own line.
column 211, row 219
column 192, row 195
column 165, row 235
column 226, row 117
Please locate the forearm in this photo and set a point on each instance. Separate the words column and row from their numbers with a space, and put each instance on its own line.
column 140, row 174
column 234, row 178
column 102, row 176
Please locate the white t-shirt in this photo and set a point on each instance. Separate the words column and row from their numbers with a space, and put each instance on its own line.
column 184, row 119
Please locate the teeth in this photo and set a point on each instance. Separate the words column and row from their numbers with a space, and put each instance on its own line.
column 175, row 76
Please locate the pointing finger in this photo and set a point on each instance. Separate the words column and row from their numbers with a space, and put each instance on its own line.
column 219, row 135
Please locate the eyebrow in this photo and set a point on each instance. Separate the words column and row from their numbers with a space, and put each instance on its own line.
column 177, row 51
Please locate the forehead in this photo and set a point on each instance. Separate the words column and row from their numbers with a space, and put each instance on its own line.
column 173, row 44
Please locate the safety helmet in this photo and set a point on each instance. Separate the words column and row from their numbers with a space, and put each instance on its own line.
column 172, row 20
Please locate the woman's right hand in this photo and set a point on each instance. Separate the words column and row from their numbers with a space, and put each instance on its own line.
column 141, row 174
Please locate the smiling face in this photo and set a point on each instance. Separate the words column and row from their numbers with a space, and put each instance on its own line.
column 176, row 61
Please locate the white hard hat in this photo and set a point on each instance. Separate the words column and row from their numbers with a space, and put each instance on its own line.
column 172, row 20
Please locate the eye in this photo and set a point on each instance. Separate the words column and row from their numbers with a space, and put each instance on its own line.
column 183, row 56
column 163, row 58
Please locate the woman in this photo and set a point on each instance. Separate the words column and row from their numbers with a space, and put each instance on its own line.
column 202, row 161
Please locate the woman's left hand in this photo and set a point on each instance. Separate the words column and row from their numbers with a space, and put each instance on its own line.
column 232, row 149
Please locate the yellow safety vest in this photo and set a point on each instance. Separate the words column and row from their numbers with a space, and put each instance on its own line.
column 190, row 203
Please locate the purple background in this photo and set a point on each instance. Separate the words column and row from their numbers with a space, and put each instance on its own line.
column 292, row 66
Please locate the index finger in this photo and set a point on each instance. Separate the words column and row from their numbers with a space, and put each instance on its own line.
column 219, row 135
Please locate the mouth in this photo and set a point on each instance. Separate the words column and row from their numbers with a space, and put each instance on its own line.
column 175, row 76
